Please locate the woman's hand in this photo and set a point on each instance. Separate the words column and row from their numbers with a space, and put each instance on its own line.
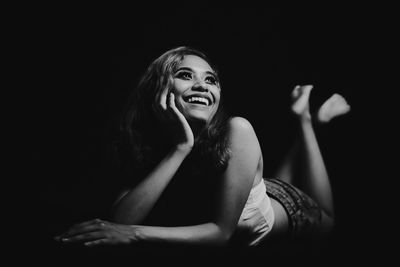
column 99, row 232
column 166, row 110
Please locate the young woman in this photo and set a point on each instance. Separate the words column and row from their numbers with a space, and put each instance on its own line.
column 197, row 174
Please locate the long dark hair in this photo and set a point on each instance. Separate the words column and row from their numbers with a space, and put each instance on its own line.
column 141, row 139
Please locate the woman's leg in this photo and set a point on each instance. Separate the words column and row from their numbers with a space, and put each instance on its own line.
column 305, row 159
column 289, row 168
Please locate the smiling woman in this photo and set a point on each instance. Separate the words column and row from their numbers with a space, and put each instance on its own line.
column 195, row 89
column 197, row 174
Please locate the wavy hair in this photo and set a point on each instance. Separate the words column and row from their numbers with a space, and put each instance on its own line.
column 141, row 129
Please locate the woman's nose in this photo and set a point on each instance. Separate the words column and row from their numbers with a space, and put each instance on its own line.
column 200, row 86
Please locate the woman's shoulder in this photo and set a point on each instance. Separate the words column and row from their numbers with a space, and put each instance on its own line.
column 243, row 141
column 240, row 124
column 241, row 130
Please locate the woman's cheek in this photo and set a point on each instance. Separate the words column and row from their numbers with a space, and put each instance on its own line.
column 179, row 104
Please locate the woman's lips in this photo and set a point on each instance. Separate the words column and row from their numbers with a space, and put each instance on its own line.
column 198, row 99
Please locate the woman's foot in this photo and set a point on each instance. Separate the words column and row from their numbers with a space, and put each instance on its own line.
column 300, row 104
column 335, row 106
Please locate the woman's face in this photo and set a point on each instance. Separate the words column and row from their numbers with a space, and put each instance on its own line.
column 196, row 89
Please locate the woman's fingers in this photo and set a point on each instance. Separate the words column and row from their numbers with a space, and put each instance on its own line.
column 175, row 111
column 171, row 102
column 187, row 138
column 80, row 230
column 88, row 226
column 163, row 99
column 84, row 237
column 98, row 232
column 96, row 242
column 161, row 104
column 174, row 118
column 171, row 113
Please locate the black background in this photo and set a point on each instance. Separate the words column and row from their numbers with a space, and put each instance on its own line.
column 81, row 64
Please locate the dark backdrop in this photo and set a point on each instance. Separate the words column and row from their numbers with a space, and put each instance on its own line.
column 82, row 65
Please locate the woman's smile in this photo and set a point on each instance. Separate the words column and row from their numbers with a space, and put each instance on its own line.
column 196, row 89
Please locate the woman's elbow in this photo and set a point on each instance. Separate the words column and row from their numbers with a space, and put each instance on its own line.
column 223, row 237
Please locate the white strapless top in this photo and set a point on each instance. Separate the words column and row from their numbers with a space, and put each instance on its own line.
column 257, row 216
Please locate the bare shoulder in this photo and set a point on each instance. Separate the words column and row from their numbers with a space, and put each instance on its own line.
column 244, row 147
column 240, row 125
column 241, row 132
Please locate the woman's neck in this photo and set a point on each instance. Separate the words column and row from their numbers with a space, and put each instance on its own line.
column 197, row 127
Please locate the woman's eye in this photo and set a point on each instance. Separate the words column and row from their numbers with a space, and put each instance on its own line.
column 211, row 80
column 184, row 75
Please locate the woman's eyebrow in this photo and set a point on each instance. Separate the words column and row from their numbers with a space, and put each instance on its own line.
column 184, row 68
column 191, row 70
column 211, row 73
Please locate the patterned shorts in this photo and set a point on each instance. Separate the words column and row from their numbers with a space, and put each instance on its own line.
column 304, row 214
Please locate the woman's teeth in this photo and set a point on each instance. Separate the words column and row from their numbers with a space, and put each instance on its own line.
column 195, row 99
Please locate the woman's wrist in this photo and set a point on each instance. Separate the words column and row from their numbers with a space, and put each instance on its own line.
column 137, row 234
column 183, row 150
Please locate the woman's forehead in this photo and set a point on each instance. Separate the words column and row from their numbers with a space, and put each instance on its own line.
column 195, row 62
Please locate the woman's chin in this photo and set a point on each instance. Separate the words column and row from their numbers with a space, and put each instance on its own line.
column 198, row 117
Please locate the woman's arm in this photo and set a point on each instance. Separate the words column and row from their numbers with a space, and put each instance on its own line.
column 239, row 176
column 134, row 205
column 99, row 232
column 236, row 184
